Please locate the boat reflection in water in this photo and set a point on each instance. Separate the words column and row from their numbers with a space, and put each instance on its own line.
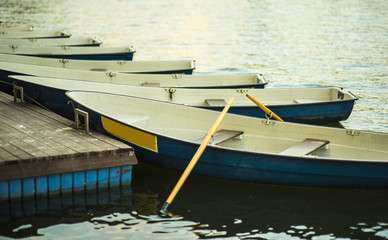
column 93, row 214
column 71, row 207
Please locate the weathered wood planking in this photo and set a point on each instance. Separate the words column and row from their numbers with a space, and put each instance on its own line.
column 41, row 153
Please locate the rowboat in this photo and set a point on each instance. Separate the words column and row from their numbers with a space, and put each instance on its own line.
column 304, row 105
column 35, row 42
column 244, row 149
column 73, row 52
column 152, row 66
column 35, row 34
column 146, row 80
column 4, row 28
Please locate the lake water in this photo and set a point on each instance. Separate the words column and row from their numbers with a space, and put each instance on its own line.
column 293, row 44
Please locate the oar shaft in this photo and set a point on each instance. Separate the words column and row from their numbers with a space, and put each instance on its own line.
column 264, row 108
column 196, row 156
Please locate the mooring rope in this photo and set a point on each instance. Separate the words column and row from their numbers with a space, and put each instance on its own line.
column 6, row 82
column 37, row 103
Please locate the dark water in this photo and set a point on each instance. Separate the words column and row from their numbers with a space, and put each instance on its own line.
column 294, row 44
column 205, row 208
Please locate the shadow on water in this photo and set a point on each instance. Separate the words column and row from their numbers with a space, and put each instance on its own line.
column 106, row 214
column 23, row 217
column 204, row 208
column 243, row 209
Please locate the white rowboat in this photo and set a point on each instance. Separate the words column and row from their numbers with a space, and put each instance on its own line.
column 244, row 148
column 307, row 105
column 152, row 66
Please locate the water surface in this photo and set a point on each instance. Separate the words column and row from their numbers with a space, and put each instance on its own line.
column 294, row 44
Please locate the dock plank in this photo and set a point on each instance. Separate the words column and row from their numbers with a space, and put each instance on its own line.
column 46, row 130
column 12, row 152
column 35, row 142
column 50, row 118
column 24, row 142
column 25, row 137
column 49, row 131
column 6, row 153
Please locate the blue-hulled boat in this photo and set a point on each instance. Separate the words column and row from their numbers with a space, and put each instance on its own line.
column 5, row 28
column 303, row 105
column 72, row 52
column 31, row 33
column 244, row 149
column 36, row 42
column 146, row 80
column 150, row 66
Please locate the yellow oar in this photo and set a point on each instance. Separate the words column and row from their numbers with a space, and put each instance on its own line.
column 264, row 108
column 196, row 156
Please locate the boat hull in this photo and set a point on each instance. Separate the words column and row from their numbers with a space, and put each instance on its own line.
column 145, row 80
column 77, row 41
column 266, row 169
column 312, row 113
column 247, row 166
column 117, row 53
column 115, row 56
column 149, row 67
column 315, row 113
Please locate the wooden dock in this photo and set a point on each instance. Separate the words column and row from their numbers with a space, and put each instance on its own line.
column 42, row 154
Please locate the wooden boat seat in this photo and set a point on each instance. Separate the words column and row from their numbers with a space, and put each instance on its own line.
column 147, row 84
column 221, row 136
column 98, row 69
column 306, row 101
column 305, row 147
column 216, row 102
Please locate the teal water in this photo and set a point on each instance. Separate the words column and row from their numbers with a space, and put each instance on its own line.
column 294, row 44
